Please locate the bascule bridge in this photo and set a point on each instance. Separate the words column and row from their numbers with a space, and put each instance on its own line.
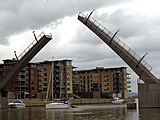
column 23, row 59
column 149, row 91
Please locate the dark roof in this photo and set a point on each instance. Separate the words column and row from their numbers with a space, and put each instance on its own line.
column 99, row 69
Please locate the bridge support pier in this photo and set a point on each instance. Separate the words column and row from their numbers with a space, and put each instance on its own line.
column 148, row 95
column 3, row 103
column 3, row 99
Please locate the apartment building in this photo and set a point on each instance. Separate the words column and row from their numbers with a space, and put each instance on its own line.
column 44, row 69
column 25, row 85
column 32, row 77
column 63, row 79
column 55, row 79
column 34, row 80
column 101, row 82
column 18, row 87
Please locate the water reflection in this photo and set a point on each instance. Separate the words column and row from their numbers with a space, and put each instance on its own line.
column 89, row 113
column 86, row 112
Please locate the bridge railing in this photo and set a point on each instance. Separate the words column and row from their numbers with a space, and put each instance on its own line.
column 118, row 41
column 32, row 44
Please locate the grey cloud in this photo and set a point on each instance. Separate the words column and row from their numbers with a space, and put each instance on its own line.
column 18, row 16
column 130, row 25
column 85, row 36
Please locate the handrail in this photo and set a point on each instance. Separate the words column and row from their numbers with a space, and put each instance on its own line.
column 32, row 44
column 118, row 41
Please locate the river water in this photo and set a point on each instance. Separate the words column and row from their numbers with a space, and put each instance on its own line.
column 82, row 112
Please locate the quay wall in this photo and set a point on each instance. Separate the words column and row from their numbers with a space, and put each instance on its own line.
column 38, row 102
column 89, row 101
column 35, row 103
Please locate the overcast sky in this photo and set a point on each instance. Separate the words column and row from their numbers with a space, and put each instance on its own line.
column 138, row 21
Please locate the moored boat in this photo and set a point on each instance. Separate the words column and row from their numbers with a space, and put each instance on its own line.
column 17, row 104
column 57, row 105
column 62, row 104
column 116, row 100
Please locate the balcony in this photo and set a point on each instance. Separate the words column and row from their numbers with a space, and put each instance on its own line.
column 21, row 79
column 21, row 85
column 128, row 82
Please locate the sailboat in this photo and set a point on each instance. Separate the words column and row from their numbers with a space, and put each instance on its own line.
column 56, row 105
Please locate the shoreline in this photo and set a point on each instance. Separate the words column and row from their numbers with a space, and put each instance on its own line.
column 130, row 104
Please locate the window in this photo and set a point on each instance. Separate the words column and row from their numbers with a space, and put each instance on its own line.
column 45, row 79
column 22, row 76
column 68, row 62
column 45, row 69
column 45, row 84
column 45, row 89
column 45, row 74
column 33, row 66
column 32, row 72
column 33, row 88
column 68, row 74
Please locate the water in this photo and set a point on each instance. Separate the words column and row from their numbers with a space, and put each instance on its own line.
column 84, row 112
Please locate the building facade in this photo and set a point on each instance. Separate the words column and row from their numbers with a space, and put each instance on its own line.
column 55, row 79
column 101, row 82
column 40, row 80
column 19, row 86
column 33, row 80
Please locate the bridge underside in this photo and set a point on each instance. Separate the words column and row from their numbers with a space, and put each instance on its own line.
column 149, row 95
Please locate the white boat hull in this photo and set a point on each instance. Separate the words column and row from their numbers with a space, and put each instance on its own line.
column 57, row 106
column 117, row 101
column 17, row 104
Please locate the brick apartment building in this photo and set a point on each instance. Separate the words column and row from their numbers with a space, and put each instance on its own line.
column 101, row 82
column 34, row 81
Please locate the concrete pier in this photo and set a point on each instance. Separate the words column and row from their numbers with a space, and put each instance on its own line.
column 3, row 103
column 149, row 95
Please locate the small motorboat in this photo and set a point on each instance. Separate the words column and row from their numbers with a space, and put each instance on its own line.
column 58, row 105
column 17, row 104
column 116, row 100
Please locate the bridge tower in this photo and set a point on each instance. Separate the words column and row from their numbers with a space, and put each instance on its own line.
column 136, row 63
